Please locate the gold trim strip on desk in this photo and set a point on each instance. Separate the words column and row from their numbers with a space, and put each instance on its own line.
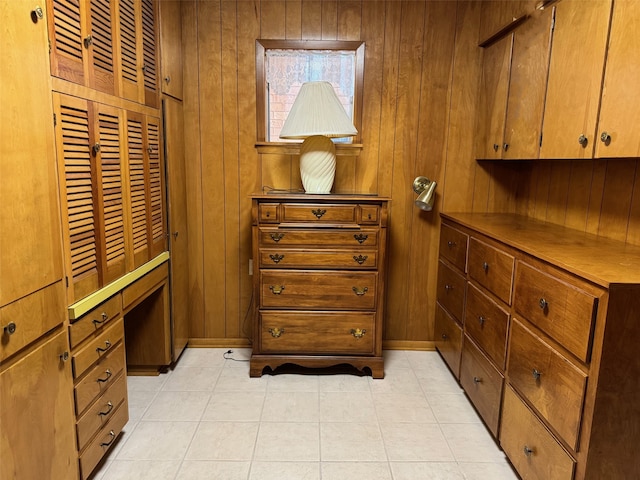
column 83, row 306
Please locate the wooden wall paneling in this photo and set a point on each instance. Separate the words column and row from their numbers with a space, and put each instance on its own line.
column 329, row 20
column 559, row 181
column 539, row 191
column 410, row 63
column 439, row 39
column 366, row 164
column 311, row 19
column 616, row 199
column 633, row 230
column 456, row 192
column 596, row 197
column 389, row 98
column 578, row 192
column 231, row 205
column 193, row 165
column 212, row 151
column 481, row 186
column 293, row 20
column 249, row 161
column 504, row 187
column 272, row 19
column 349, row 20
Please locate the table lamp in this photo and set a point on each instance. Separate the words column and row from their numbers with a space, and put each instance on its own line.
column 317, row 116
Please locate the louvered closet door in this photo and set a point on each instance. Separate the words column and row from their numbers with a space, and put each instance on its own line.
column 131, row 74
column 77, row 173
column 138, row 180
column 66, row 32
column 149, row 42
column 156, row 196
column 101, row 45
column 111, row 192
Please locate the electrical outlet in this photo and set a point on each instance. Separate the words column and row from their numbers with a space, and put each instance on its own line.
column 251, row 266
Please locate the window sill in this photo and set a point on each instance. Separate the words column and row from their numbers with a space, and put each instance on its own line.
column 290, row 148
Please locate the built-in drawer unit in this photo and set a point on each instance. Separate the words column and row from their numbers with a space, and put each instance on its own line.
column 551, row 321
column 95, row 320
column 453, row 246
column 451, row 290
column 448, row 339
column 319, row 287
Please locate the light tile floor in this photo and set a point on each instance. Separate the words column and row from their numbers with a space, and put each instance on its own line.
column 207, row 420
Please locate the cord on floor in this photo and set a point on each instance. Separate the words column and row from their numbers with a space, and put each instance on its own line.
column 226, row 356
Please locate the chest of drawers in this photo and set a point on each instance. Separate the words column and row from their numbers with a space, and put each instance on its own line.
column 319, row 281
column 549, row 327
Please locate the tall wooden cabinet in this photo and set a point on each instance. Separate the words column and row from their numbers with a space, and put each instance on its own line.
column 36, row 414
column 548, row 354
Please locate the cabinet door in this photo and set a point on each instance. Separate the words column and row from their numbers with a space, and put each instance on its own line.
column 149, row 45
column 171, row 47
column 37, row 437
column 68, row 30
column 29, row 215
column 620, row 109
column 527, row 86
column 78, row 192
column 100, row 45
column 575, row 78
column 177, row 205
column 130, row 74
column 494, row 88
column 157, row 220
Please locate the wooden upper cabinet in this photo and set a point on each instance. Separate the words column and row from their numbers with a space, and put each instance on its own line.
column 494, row 89
column 499, row 14
column 138, row 40
column 171, row 47
column 575, row 79
column 527, row 86
column 81, row 33
column 29, row 215
column 512, row 91
column 619, row 111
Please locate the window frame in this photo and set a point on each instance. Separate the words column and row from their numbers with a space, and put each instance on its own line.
column 262, row 45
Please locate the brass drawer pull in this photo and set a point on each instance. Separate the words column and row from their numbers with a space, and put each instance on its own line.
column 528, row 451
column 477, row 380
column 107, row 346
column 109, row 409
column 318, row 213
column 106, row 379
column 276, row 237
column 543, row 304
column 360, row 291
column 360, row 237
column 276, row 332
column 451, row 244
column 113, row 437
column 276, row 290
column 360, row 259
column 104, row 317
column 536, row 374
column 276, row 258
column 358, row 332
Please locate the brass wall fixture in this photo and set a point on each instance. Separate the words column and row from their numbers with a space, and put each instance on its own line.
column 425, row 189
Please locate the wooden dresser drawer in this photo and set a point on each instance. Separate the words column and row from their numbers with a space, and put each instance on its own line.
column 318, row 213
column 487, row 323
column 318, row 290
column 548, row 381
column 369, row 214
column 95, row 320
column 99, row 378
column 97, row 348
column 137, row 290
column 281, row 237
column 482, row 382
column 562, row 310
column 103, row 441
column 492, row 268
column 531, row 448
column 102, row 410
column 450, row 290
column 448, row 339
column 319, row 333
column 356, row 259
column 268, row 213
column 453, row 246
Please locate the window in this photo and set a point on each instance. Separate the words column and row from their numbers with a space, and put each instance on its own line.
column 282, row 66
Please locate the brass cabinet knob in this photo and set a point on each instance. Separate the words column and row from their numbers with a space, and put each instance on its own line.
column 37, row 14
column 528, row 451
column 605, row 138
column 448, row 287
column 485, row 266
column 95, row 148
column 536, row 374
column 88, row 40
column 582, row 140
column 543, row 304
column 451, row 244
column 444, row 336
column 167, row 79
column 481, row 319
column 10, row 328
column 505, row 146
column 477, row 380
column 64, row 356
column 495, row 147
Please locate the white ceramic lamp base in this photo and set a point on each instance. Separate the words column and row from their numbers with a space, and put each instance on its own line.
column 317, row 164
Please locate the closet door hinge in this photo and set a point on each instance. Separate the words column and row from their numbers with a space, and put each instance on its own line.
column 66, row 279
column 55, row 120
column 541, row 139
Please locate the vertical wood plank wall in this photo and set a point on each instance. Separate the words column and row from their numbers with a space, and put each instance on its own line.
column 422, row 66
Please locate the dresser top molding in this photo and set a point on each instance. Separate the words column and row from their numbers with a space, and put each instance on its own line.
column 603, row 261
column 327, row 198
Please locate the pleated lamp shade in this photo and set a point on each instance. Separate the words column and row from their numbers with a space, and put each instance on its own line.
column 316, row 115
